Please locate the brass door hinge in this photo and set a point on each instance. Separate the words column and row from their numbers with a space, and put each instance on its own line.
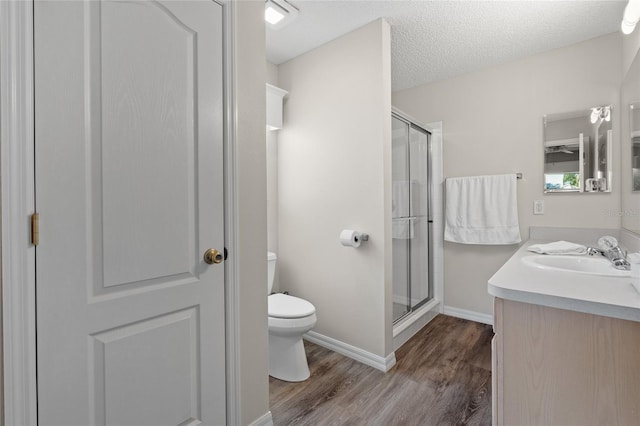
column 35, row 229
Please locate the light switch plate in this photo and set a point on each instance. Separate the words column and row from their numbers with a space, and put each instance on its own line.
column 538, row 207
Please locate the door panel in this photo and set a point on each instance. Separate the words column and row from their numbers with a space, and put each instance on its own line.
column 129, row 132
column 147, row 142
column 122, row 375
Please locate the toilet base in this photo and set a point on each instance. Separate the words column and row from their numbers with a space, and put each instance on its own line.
column 287, row 359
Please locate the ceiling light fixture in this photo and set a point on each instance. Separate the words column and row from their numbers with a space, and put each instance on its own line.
column 278, row 13
column 630, row 17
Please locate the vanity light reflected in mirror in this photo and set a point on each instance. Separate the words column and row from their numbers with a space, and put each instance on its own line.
column 635, row 145
column 578, row 151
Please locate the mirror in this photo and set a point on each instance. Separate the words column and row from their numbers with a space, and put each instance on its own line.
column 577, row 151
column 629, row 150
column 635, row 146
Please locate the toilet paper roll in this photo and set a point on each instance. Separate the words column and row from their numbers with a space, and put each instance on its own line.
column 350, row 238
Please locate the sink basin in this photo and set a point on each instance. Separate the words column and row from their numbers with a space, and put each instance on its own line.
column 580, row 264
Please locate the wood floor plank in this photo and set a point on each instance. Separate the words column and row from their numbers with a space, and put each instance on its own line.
column 442, row 377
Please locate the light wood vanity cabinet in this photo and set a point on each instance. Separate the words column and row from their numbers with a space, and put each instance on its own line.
column 559, row 367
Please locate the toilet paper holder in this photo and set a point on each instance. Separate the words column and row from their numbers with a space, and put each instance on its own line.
column 352, row 238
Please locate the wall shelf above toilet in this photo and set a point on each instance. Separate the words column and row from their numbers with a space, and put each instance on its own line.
column 275, row 97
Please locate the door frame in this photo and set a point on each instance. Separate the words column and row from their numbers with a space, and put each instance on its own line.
column 19, row 403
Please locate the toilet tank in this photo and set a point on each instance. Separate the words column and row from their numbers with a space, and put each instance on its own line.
column 271, row 270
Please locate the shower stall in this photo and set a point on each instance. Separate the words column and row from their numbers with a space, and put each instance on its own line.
column 412, row 225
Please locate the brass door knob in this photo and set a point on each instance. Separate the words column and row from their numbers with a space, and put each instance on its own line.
column 212, row 256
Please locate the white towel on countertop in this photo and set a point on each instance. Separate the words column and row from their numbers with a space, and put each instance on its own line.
column 558, row 247
column 482, row 210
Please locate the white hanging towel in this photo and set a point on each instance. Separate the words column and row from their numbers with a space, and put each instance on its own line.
column 482, row 210
column 401, row 199
column 402, row 228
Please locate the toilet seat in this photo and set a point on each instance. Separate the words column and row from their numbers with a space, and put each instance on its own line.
column 285, row 306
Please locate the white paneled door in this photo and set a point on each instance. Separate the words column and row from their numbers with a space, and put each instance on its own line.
column 129, row 136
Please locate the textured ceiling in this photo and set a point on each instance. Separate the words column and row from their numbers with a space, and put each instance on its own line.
column 434, row 40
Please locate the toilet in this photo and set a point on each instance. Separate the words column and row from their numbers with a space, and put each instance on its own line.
column 289, row 318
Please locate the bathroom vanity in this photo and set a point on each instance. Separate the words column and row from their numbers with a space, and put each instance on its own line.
column 566, row 349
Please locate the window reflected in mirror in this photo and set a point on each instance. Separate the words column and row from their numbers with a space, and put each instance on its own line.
column 577, row 151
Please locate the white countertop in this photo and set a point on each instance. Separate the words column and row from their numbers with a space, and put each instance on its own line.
column 600, row 295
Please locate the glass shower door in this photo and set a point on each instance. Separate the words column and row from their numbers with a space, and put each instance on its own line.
column 419, row 281
column 401, row 226
column 410, row 216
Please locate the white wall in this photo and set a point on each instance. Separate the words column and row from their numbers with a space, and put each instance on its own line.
column 492, row 124
column 334, row 165
column 272, row 177
column 252, row 210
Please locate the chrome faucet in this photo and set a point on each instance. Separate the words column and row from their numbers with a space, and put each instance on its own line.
column 610, row 249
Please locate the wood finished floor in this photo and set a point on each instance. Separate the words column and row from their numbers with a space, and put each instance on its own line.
column 442, row 377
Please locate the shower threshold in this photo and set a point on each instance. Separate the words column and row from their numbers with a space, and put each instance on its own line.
column 409, row 324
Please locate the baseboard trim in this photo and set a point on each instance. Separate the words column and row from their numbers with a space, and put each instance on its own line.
column 379, row 363
column 265, row 420
column 468, row 315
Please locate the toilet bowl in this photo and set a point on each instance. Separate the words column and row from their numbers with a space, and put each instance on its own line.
column 289, row 318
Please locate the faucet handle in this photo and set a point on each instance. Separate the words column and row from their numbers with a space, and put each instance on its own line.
column 607, row 243
column 591, row 251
